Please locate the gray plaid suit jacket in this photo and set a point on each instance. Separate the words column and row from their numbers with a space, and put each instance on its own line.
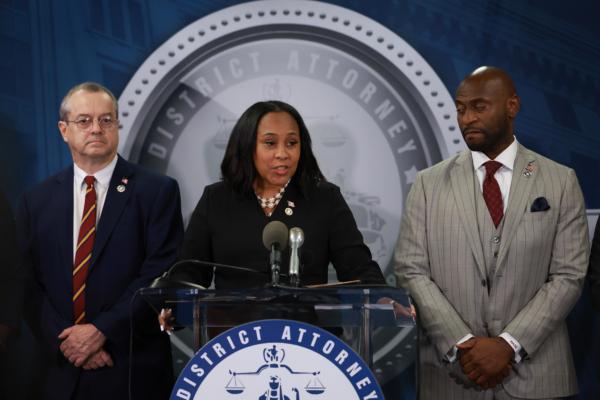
column 541, row 267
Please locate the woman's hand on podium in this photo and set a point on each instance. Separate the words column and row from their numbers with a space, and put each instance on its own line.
column 165, row 319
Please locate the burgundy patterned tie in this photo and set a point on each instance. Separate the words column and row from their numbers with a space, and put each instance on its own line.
column 491, row 192
column 83, row 253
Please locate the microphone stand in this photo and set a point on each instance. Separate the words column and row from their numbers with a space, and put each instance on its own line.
column 275, row 261
column 184, row 273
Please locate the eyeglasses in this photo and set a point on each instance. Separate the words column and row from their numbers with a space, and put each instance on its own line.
column 84, row 122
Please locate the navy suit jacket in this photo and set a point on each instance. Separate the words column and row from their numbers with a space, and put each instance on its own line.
column 10, row 282
column 137, row 238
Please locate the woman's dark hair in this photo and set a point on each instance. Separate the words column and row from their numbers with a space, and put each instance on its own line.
column 237, row 167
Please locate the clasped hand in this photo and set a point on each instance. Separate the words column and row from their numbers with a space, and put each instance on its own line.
column 486, row 361
column 82, row 346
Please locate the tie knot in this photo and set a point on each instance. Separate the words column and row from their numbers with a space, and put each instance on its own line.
column 491, row 167
column 89, row 181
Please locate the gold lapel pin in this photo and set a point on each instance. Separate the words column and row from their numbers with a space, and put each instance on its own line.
column 289, row 209
column 123, row 185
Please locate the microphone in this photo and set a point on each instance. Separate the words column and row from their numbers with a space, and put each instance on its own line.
column 275, row 237
column 296, row 240
column 188, row 273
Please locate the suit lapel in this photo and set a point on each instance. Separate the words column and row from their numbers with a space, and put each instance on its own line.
column 63, row 206
column 463, row 188
column 113, row 205
column 520, row 188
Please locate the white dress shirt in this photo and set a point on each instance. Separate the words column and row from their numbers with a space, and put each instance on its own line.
column 504, row 178
column 504, row 174
column 79, row 187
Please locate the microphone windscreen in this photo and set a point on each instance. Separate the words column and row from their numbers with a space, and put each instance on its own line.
column 275, row 232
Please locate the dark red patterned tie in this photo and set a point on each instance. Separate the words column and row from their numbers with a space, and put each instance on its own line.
column 83, row 253
column 491, row 192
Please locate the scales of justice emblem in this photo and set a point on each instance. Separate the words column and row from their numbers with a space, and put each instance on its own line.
column 275, row 386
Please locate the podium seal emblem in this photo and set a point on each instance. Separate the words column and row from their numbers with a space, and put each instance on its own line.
column 276, row 360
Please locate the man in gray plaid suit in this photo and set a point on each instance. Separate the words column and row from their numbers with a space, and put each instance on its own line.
column 493, row 248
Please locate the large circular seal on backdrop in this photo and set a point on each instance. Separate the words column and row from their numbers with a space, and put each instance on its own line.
column 376, row 111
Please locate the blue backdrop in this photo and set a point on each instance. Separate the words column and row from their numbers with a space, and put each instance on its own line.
column 551, row 48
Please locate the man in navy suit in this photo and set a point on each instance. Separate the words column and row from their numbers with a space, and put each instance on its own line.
column 10, row 292
column 95, row 350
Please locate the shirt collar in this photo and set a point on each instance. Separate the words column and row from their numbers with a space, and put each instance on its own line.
column 506, row 158
column 102, row 177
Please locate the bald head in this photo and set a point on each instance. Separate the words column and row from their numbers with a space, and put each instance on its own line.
column 486, row 105
column 486, row 74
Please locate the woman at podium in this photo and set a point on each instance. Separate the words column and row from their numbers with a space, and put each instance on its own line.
column 269, row 173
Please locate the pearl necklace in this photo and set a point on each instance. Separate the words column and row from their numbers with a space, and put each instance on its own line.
column 271, row 202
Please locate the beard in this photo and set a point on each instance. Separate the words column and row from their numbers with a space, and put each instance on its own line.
column 488, row 141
